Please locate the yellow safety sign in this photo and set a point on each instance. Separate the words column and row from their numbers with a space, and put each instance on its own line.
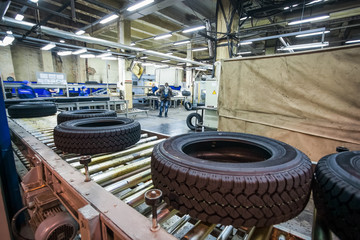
column 214, row 93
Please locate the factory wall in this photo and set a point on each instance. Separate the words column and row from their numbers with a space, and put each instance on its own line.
column 105, row 70
column 6, row 65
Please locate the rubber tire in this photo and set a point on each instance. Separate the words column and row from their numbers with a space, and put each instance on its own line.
column 188, row 106
column 337, row 193
column 32, row 109
column 186, row 93
column 84, row 113
column 189, row 120
column 99, row 135
column 254, row 193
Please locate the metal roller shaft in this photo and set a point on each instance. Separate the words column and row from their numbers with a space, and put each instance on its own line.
column 225, row 233
column 199, row 232
column 137, row 189
column 178, row 224
column 138, row 198
column 129, row 182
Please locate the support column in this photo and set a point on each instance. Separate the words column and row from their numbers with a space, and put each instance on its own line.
column 125, row 81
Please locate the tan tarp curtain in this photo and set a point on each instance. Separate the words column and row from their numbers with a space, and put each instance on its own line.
column 309, row 100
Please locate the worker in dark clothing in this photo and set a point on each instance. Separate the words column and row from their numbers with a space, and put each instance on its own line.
column 165, row 95
column 26, row 91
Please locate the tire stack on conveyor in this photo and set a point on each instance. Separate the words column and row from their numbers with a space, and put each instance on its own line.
column 32, row 109
column 94, row 131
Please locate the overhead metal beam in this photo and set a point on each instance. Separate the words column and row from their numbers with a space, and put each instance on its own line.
column 82, row 38
column 4, row 5
column 171, row 19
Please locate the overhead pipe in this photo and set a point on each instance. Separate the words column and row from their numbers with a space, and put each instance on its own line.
column 68, row 35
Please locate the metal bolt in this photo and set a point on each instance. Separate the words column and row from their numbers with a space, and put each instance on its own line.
column 153, row 198
column 85, row 160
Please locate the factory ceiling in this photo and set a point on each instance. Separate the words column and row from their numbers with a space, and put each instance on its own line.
column 255, row 21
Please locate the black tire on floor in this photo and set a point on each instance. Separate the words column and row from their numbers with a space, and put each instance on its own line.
column 96, row 135
column 188, row 106
column 192, row 119
column 32, row 109
column 232, row 178
column 186, row 93
column 337, row 193
column 84, row 113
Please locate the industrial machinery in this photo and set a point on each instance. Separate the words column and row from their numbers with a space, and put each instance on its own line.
column 112, row 204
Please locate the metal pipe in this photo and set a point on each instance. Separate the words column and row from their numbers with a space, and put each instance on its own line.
column 166, row 213
column 83, row 38
column 118, row 161
column 199, row 232
column 125, row 176
column 145, row 140
column 225, row 233
column 144, row 135
column 129, row 182
column 137, row 189
column 178, row 224
column 137, row 199
column 103, row 158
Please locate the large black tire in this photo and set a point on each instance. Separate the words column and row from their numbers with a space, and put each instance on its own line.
column 188, row 106
column 232, row 178
column 85, row 113
column 96, row 135
column 186, row 93
column 32, row 109
column 337, row 193
column 192, row 119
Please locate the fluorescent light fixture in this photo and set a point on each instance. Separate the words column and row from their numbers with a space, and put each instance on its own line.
column 144, row 57
column 179, row 64
column 139, row 5
column 286, row 8
column 243, row 18
column 311, row 34
column 34, row 1
column 312, row 2
column 169, row 53
column 8, row 39
column 164, row 61
column 193, row 29
column 87, row 56
column 163, row 36
column 48, row 47
column 109, row 58
column 19, row 17
column 62, row 41
column 353, row 41
column 245, row 43
column 199, row 49
column 244, row 53
column 295, row 5
column 80, row 51
column 132, row 44
column 200, row 69
column 161, row 66
column 305, row 46
column 309, row 20
column 148, row 64
column 80, row 32
column 64, row 53
column 104, row 55
column 9, row 32
column 182, row 42
column 109, row 18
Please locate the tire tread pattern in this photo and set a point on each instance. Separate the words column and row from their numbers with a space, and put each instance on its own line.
column 70, row 115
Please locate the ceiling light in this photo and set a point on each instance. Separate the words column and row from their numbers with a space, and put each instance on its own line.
column 312, row 2
column 286, row 8
column 104, row 55
column 139, row 5
column 305, row 46
column 109, row 18
column 64, row 53
column 309, row 20
column 62, row 41
column 34, row 1
column 87, row 56
column 244, row 53
column 144, row 57
column 312, row 34
column 109, row 58
column 182, row 42
column 19, row 17
column 80, row 32
column 193, row 29
column 200, row 69
column 80, row 51
column 8, row 39
column 148, row 64
column 245, row 43
column 48, row 47
column 243, row 18
column 164, row 61
column 199, row 49
column 169, row 53
column 353, row 41
column 180, row 64
column 132, row 44
column 163, row 36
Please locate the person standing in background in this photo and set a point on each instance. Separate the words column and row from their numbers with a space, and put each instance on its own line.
column 165, row 95
column 83, row 92
column 26, row 91
column 154, row 88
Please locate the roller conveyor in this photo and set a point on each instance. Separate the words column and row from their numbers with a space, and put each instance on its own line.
column 116, row 192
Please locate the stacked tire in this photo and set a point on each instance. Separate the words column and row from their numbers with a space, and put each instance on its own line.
column 84, row 113
column 32, row 109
